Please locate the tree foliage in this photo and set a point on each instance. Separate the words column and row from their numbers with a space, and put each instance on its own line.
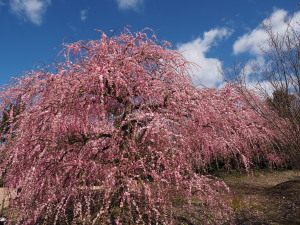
column 283, row 103
column 278, row 81
column 115, row 134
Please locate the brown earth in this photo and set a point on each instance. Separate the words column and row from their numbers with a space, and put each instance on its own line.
column 3, row 200
column 266, row 197
column 4, row 196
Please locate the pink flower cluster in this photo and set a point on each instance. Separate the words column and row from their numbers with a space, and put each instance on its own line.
column 114, row 134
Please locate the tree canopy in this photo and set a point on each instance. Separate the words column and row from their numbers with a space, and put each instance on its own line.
column 116, row 132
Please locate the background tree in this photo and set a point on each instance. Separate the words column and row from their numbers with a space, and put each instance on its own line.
column 117, row 133
column 278, row 82
column 8, row 117
column 283, row 103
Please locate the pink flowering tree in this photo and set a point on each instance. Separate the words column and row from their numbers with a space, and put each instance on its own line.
column 115, row 134
column 229, row 132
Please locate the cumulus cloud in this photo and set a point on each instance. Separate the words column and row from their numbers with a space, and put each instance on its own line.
column 252, row 76
column 130, row 4
column 32, row 10
column 258, row 38
column 204, row 70
column 280, row 22
column 83, row 14
column 257, row 64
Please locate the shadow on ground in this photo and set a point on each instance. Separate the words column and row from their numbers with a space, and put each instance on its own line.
column 269, row 198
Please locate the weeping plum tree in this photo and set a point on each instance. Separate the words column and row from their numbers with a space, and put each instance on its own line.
column 115, row 134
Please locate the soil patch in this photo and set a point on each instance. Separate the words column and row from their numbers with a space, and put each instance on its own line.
column 266, row 197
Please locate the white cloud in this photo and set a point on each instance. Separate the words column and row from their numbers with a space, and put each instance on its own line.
column 2, row 3
column 32, row 10
column 83, row 14
column 251, row 76
column 256, row 65
column 205, row 70
column 263, row 89
column 258, row 38
column 253, row 71
column 130, row 4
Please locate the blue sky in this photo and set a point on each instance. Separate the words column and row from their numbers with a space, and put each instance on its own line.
column 212, row 33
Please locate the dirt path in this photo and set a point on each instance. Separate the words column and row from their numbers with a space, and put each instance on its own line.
column 267, row 197
column 1, row 197
column 3, row 201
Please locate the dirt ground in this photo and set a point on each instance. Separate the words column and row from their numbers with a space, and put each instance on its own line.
column 267, row 197
column 3, row 201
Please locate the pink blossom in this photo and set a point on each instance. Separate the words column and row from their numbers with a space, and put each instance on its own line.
column 118, row 132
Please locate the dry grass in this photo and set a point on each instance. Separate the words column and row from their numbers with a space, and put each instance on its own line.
column 265, row 197
column 263, row 178
column 4, row 199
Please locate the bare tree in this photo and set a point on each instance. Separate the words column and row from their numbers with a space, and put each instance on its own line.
column 278, row 82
